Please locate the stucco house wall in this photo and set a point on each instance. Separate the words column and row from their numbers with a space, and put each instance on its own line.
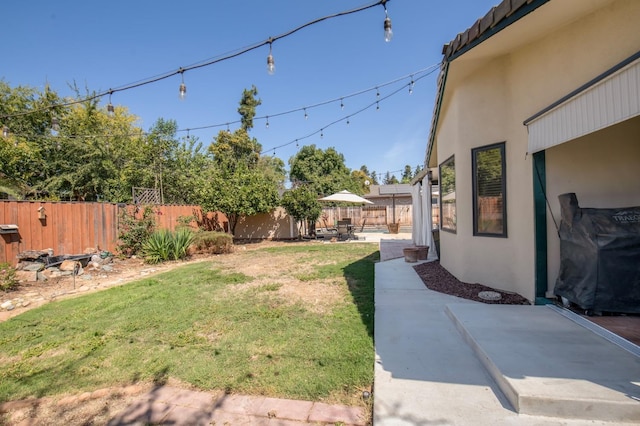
column 276, row 225
column 491, row 89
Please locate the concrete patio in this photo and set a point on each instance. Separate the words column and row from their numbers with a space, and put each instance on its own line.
column 445, row 360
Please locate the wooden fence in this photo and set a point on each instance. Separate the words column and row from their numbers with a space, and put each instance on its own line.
column 367, row 216
column 70, row 227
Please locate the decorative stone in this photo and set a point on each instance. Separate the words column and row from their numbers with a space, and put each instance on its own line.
column 69, row 265
column 490, row 295
column 6, row 304
column 24, row 276
column 31, row 266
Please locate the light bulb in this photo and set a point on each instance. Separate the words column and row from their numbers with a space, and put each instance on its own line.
column 267, row 125
column 183, row 91
column 55, row 125
column 110, row 109
column 5, row 131
column 271, row 64
column 388, row 32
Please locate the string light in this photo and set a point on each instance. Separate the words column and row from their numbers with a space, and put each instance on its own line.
column 306, row 116
column 411, row 86
column 271, row 64
column 341, row 104
column 5, row 131
column 140, row 133
column 183, row 87
column 267, row 125
column 388, row 32
column 420, row 73
column 202, row 64
column 321, row 133
column 110, row 109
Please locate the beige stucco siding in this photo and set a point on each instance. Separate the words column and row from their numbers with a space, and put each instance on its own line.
column 478, row 114
column 271, row 226
column 491, row 90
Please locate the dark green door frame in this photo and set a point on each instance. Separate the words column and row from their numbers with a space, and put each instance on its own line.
column 540, row 220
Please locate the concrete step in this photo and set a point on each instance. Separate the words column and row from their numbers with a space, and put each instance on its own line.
column 547, row 365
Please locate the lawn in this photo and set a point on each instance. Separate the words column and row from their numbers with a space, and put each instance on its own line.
column 293, row 321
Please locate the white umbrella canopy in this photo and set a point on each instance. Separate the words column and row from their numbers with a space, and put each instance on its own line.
column 345, row 197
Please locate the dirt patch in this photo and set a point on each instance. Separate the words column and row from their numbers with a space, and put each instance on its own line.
column 436, row 278
column 37, row 293
column 285, row 276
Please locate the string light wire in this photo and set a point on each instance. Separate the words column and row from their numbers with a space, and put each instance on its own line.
column 323, row 128
column 415, row 77
column 426, row 71
column 206, row 63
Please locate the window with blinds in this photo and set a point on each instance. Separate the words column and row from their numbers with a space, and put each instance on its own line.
column 448, row 195
column 489, row 191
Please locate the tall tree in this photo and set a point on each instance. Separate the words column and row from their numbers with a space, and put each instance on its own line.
column 241, row 183
column 390, row 179
column 247, row 108
column 323, row 170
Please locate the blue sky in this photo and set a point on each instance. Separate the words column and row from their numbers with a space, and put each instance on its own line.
column 103, row 45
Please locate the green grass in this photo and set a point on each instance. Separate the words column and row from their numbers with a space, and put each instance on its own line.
column 197, row 325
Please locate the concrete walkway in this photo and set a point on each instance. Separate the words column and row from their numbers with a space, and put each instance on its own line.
column 448, row 361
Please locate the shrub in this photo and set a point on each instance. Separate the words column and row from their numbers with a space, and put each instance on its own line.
column 133, row 232
column 165, row 245
column 8, row 278
column 213, row 242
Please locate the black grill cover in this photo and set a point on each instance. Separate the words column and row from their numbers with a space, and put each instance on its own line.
column 599, row 257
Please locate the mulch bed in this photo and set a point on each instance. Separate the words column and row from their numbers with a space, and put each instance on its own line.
column 436, row 278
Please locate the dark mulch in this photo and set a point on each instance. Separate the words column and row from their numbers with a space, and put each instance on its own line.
column 436, row 278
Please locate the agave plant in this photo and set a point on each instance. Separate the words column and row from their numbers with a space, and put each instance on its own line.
column 158, row 247
column 182, row 239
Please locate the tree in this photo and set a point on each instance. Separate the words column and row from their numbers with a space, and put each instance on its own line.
column 247, row 108
column 390, row 179
column 323, row 171
column 240, row 182
column 302, row 204
column 407, row 174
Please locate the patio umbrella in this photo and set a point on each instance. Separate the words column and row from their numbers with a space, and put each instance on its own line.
column 345, row 197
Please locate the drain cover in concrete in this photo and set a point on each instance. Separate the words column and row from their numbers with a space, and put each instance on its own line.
column 489, row 295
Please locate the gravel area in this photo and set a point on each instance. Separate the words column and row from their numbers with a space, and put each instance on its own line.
column 436, row 278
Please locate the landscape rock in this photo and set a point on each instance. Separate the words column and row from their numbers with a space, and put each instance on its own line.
column 24, row 276
column 30, row 266
column 69, row 265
